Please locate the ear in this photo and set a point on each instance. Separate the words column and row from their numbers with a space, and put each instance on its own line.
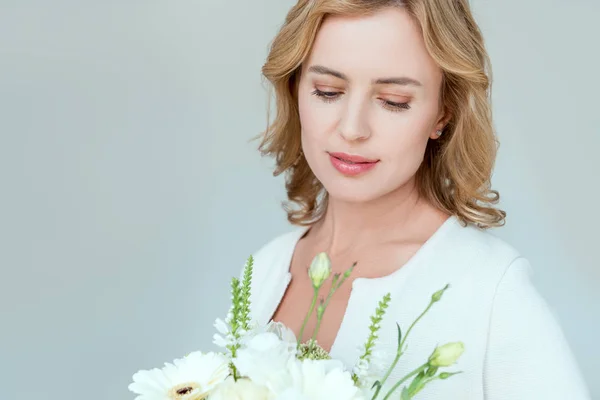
column 441, row 123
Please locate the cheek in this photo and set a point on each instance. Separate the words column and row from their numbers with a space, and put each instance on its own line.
column 404, row 135
column 406, row 155
column 402, row 143
column 316, row 119
column 307, row 117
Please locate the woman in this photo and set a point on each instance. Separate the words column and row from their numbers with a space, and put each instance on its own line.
column 384, row 130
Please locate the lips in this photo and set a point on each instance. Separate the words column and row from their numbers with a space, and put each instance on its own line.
column 351, row 165
column 352, row 159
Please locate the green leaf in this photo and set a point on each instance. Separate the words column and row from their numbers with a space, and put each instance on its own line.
column 416, row 382
column 399, row 334
column 405, row 395
column 431, row 371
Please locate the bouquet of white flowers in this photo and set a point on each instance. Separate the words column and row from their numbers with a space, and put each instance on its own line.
column 270, row 363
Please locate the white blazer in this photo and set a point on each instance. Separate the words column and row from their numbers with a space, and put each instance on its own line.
column 514, row 347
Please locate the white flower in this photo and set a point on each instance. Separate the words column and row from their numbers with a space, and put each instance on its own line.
column 316, row 380
column 223, row 338
column 320, row 269
column 446, row 355
column 283, row 332
column 243, row 389
column 361, row 370
column 189, row 378
column 369, row 371
column 268, row 359
column 264, row 357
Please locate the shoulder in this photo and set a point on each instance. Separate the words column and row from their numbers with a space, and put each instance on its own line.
column 487, row 243
column 522, row 329
column 493, row 269
column 470, row 253
column 507, row 318
column 495, row 257
column 483, row 268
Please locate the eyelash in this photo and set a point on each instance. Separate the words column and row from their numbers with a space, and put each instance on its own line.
column 329, row 97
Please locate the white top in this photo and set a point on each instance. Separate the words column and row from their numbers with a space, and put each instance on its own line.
column 514, row 347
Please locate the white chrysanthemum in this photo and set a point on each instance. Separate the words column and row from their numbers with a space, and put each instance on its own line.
column 283, row 332
column 243, row 389
column 264, row 357
column 284, row 335
column 316, row 380
column 188, row 378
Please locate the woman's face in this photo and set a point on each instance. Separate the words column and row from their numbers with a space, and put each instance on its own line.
column 368, row 98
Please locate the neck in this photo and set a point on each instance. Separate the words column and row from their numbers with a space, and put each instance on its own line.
column 348, row 225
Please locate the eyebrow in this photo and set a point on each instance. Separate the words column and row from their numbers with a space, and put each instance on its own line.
column 403, row 80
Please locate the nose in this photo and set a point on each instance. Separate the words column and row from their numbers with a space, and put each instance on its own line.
column 353, row 125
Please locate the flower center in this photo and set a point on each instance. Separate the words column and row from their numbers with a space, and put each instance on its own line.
column 187, row 391
column 184, row 390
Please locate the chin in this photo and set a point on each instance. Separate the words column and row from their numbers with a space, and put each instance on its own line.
column 352, row 191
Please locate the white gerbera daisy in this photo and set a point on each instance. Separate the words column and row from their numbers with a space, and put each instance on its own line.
column 189, row 378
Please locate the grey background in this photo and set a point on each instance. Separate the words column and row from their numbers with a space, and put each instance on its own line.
column 131, row 193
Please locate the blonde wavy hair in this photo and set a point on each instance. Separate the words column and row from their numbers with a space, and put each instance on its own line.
column 456, row 172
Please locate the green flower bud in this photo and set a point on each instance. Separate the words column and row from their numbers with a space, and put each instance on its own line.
column 320, row 269
column 446, row 375
column 320, row 311
column 349, row 271
column 437, row 296
column 446, row 355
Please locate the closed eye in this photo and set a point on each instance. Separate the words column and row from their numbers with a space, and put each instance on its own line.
column 393, row 106
column 328, row 97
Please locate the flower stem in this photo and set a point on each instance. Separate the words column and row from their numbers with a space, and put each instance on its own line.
column 317, row 327
column 310, row 311
column 234, row 372
column 387, row 374
column 401, row 381
column 415, row 322
column 335, row 285
column 400, row 347
column 320, row 314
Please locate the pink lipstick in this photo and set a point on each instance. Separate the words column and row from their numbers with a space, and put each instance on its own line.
column 351, row 165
